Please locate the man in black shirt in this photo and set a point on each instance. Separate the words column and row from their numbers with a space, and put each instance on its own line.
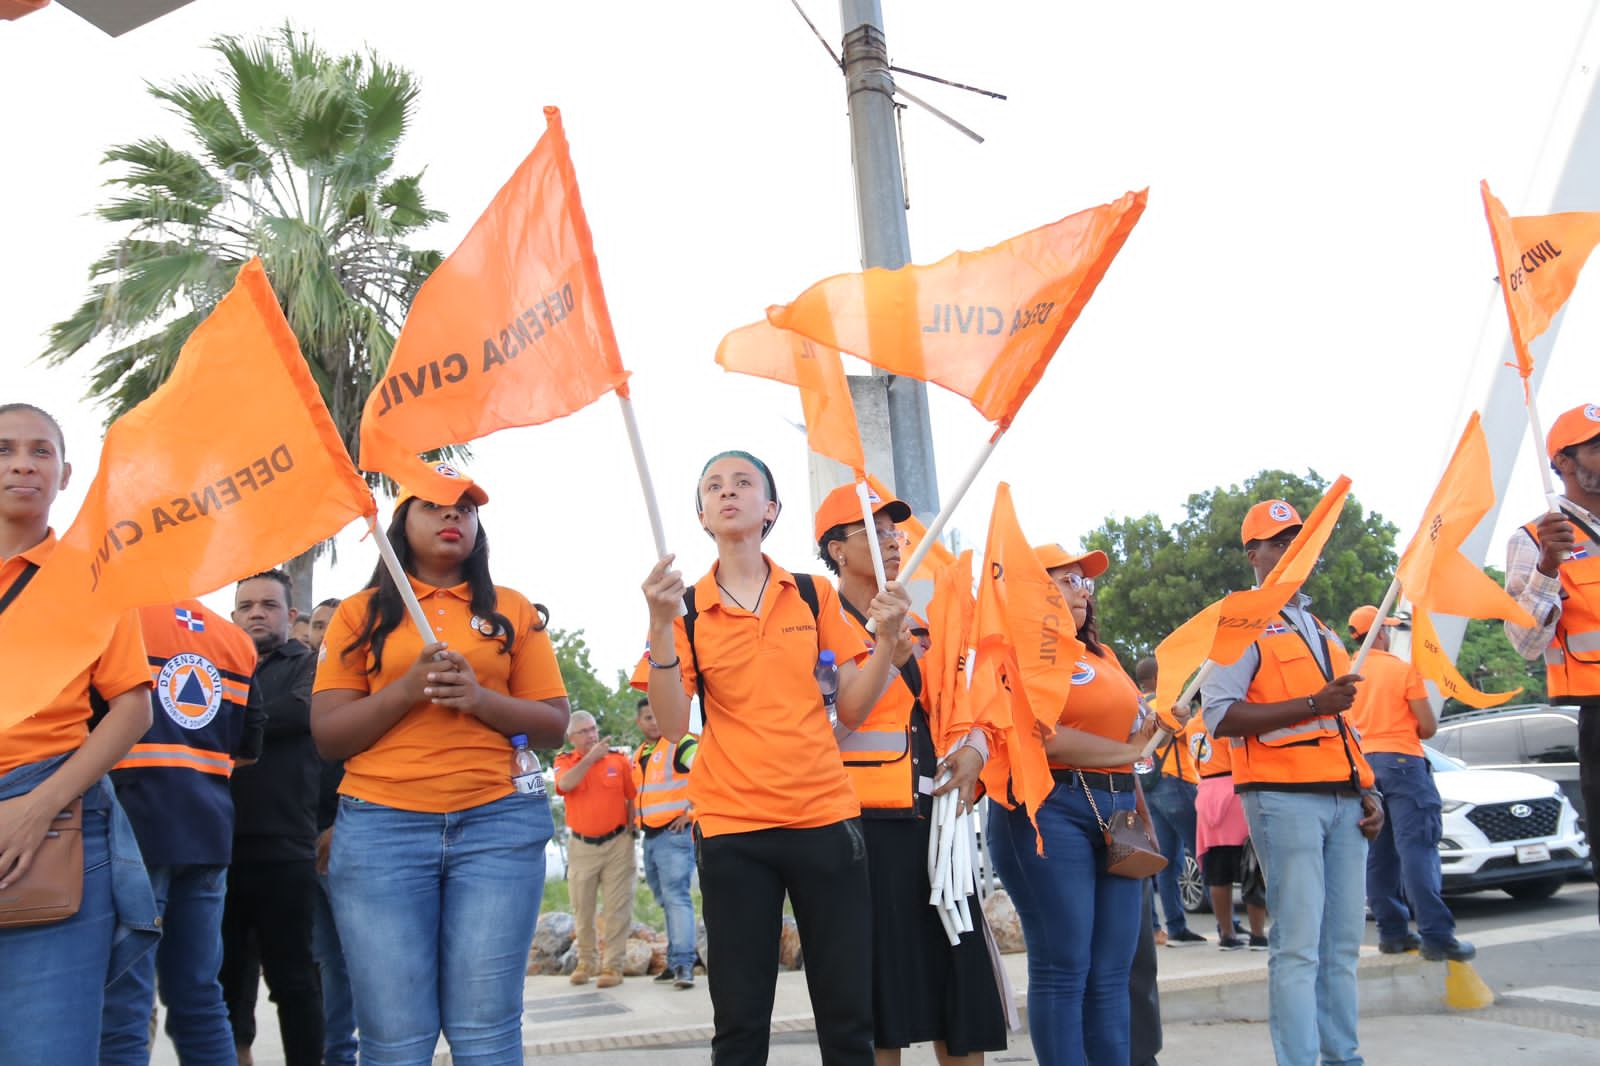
column 272, row 884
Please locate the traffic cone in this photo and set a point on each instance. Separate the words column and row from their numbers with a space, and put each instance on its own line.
column 1464, row 989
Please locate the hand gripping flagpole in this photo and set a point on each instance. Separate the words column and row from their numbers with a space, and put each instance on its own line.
column 910, row 566
column 652, row 509
column 1377, row 623
column 1183, row 701
column 391, row 562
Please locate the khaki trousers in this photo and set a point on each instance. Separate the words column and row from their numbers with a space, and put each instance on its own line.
column 606, row 869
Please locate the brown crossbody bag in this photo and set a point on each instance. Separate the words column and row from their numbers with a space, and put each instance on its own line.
column 52, row 889
column 1131, row 848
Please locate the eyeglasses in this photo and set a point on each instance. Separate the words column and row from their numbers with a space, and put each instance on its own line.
column 1078, row 581
column 885, row 536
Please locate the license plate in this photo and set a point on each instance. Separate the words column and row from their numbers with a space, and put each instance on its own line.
column 1533, row 853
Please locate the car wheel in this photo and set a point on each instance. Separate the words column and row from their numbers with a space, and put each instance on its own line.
column 1192, row 887
column 1543, row 888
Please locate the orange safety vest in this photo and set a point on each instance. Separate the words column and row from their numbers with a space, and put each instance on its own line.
column 877, row 754
column 1319, row 750
column 1572, row 661
column 663, row 788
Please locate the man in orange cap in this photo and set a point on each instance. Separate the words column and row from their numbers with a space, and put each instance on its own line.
column 1393, row 716
column 1552, row 570
column 1308, row 797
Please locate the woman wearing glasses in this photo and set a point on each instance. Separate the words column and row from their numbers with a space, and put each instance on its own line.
column 922, row 988
column 1081, row 923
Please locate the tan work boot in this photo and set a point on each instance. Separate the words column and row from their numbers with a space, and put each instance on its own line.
column 580, row 976
column 608, row 979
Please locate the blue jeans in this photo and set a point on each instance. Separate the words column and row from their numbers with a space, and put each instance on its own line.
column 1405, row 856
column 1081, row 925
column 436, row 913
column 1171, row 806
column 338, row 1005
column 1315, row 860
column 668, row 868
column 185, row 963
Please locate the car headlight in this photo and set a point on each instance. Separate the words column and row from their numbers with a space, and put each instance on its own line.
column 1451, row 806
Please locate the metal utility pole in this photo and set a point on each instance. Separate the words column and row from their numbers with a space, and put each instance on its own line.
column 881, row 210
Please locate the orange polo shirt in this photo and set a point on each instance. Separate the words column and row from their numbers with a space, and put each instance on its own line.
column 767, row 757
column 1103, row 701
column 1382, row 711
column 599, row 803
column 62, row 725
column 434, row 759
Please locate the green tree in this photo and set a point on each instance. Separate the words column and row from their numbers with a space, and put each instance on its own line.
column 1161, row 575
column 1490, row 664
column 613, row 707
column 288, row 154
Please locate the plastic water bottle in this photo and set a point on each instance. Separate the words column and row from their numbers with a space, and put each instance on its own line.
column 526, row 774
column 827, row 675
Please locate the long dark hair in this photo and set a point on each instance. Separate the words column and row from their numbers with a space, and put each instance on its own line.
column 1089, row 632
column 386, row 609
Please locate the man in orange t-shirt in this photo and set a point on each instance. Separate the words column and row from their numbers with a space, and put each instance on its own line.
column 597, row 785
column 1393, row 717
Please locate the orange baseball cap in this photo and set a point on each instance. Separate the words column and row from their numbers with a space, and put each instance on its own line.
column 469, row 488
column 1050, row 556
column 1267, row 519
column 842, row 506
column 1361, row 620
column 1574, row 427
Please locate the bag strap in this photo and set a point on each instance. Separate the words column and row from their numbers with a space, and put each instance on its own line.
column 18, row 585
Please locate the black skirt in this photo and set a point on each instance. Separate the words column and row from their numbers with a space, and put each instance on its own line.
column 922, row 988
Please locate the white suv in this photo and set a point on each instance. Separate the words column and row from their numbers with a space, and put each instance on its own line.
column 1505, row 829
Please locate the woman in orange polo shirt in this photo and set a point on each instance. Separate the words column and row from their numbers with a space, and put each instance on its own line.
column 437, row 861
column 775, row 811
column 1081, row 923
column 54, row 975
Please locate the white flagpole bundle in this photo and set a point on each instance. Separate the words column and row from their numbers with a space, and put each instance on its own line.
column 952, row 871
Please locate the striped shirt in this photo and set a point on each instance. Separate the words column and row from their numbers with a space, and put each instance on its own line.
column 1538, row 594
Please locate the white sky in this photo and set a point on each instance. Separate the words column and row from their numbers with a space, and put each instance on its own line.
column 1307, row 288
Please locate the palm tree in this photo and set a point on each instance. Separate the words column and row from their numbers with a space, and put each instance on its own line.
column 291, row 161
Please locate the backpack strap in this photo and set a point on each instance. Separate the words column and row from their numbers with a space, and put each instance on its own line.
column 806, row 585
column 689, row 614
column 29, row 569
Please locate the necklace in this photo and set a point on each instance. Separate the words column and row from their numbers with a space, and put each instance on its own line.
column 759, row 594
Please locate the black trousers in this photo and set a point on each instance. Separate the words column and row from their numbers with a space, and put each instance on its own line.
column 268, row 914
column 1145, row 1002
column 1589, row 777
column 743, row 879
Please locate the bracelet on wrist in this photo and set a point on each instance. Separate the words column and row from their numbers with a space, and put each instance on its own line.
column 676, row 659
column 1311, row 704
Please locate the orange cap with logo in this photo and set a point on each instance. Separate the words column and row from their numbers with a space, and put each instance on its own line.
column 469, row 488
column 1574, row 427
column 842, row 506
column 1050, row 556
column 1361, row 620
column 1267, row 519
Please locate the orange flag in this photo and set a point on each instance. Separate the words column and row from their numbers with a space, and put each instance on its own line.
column 818, row 372
column 193, row 491
column 938, row 555
column 1539, row 257
column 1437, row 577
column 510, row 330
column 946, row 695
column 1028, row 646
column 1225, row 629
column 981, row 324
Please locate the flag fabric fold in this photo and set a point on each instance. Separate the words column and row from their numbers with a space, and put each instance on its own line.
column 981, row 324
column 946, row 695
column 763, row 350
column 511, row 330
column 1435, row 575
column 1539, row 258
column 1027, row 651
column 1222, row 631
column 231, row 467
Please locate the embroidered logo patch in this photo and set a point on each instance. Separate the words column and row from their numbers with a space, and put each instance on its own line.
column 189, row 689
column 1280, row 511
column 1083, row 674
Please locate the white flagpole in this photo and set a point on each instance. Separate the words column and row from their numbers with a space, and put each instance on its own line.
column 391, row 562
column 863, row 493
column 652, row 509
column 910, row 566
column 1551, row 496
column 1377, row 623
column 1183, row 701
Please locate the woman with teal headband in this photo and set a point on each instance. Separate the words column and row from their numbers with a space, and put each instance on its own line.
column 775, row 813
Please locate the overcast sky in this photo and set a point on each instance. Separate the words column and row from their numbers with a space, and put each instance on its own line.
column 1309, row 287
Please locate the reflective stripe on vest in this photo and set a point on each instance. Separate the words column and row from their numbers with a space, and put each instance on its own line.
column 144, row 756
column 875, row 744
column 1572, row 661
column 663, row 792
column 1315, row 751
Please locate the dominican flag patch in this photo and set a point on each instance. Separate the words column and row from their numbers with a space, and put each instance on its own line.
column 193, row 621
column 1275, row 628
column 1580, row 553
